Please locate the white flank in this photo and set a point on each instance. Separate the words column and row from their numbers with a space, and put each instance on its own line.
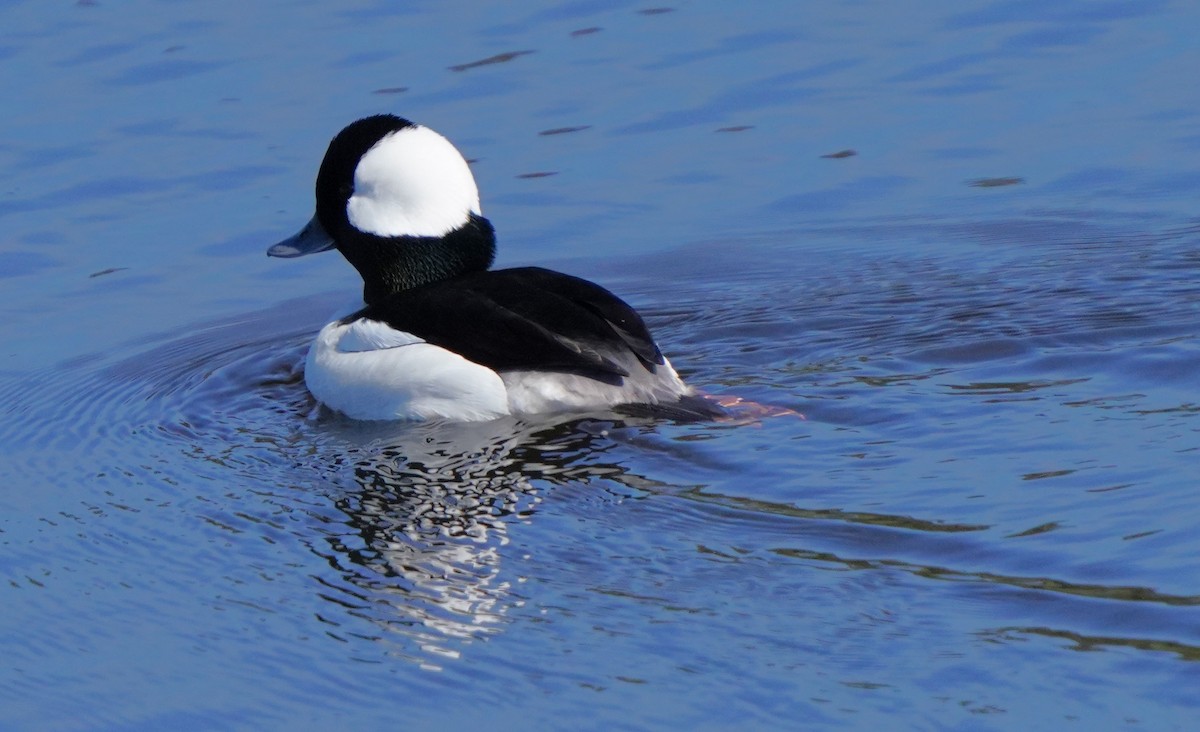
column 413, row 182
column 414, row 381
column 539, row 392
column 372, row 335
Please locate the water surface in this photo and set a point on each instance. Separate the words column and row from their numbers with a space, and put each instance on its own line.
column 987, row 315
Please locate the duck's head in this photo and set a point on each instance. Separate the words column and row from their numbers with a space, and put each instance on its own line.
column 399, row 202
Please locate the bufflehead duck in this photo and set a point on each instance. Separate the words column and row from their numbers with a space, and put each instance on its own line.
column 441, row 335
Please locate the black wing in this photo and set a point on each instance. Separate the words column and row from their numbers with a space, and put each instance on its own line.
column 524, row 318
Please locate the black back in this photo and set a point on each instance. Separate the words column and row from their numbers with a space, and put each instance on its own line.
column 524, row 318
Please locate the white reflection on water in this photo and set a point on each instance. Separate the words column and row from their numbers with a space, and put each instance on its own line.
column 431, row 507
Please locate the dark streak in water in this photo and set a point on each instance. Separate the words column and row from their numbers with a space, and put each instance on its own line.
column 563, row 130
column 834, row 514
column 497, row 59
column 1046, row 474
column 1041, row 529
column 1089, row 643
column 1012, row 387
column 1046, row 584
column 994, row 182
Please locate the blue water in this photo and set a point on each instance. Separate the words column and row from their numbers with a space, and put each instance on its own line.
column 987, row 312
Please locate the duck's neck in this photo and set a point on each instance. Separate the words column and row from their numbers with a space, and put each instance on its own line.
column 389, row 266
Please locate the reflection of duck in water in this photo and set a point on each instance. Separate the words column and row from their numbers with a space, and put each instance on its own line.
column 429, row 518
column 441, row 335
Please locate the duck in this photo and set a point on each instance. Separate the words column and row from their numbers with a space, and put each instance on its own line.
column 439, row 334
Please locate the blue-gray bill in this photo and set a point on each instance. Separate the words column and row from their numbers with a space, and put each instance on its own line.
column 311, row 239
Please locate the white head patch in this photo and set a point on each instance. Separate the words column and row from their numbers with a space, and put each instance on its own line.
column 413, row 182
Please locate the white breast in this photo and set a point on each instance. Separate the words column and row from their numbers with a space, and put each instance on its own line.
column 354, row 370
